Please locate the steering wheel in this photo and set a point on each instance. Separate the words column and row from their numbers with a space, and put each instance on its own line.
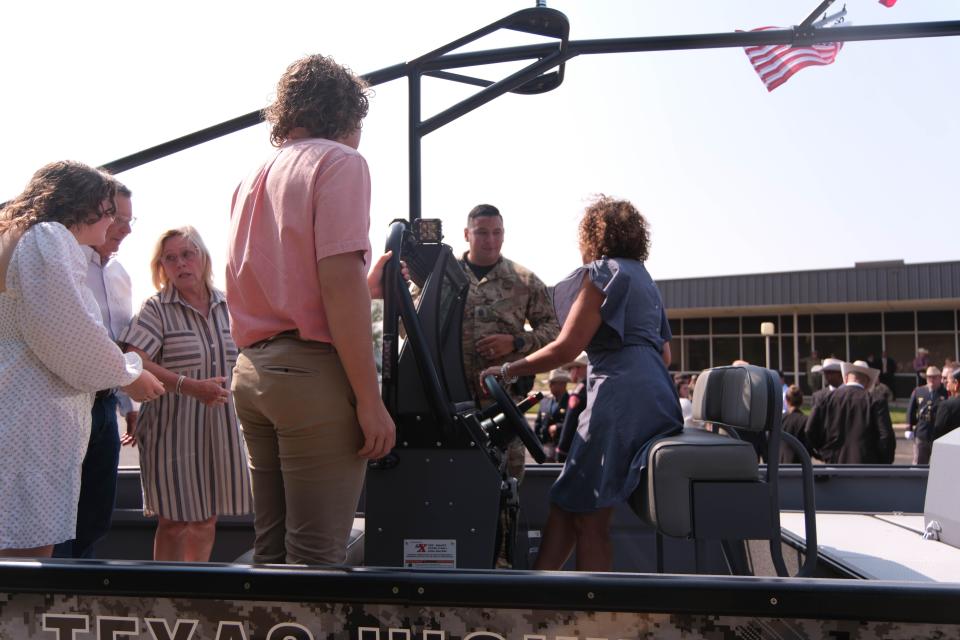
column 515, row 420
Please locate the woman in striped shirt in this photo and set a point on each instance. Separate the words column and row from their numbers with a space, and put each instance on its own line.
column 193, row 461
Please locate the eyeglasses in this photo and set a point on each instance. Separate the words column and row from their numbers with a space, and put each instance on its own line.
column 127, row 221
column 186, row 255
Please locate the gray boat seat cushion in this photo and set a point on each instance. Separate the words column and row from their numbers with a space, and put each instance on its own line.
column 743, row 397
column 746, row 397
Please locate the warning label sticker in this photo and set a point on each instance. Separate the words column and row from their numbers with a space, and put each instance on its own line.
column 430, row 554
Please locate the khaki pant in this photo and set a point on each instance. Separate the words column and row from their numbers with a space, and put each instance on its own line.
column 299, row 421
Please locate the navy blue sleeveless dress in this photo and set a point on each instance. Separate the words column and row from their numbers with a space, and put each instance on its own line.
column 631, row 398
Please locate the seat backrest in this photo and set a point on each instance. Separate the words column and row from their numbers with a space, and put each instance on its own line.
column 745, row 396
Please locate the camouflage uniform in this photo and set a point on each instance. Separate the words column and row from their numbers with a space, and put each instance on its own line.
column 502, row 302
column 507, row 297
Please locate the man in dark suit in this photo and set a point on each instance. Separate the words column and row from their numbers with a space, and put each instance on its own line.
column 888, row 371
column 832, row 377
column 851, row 426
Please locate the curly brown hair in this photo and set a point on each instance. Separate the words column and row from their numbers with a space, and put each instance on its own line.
column 615, row 229
column 316, row 93
column 67, row 192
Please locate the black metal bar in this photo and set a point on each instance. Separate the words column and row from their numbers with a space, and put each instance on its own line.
column 391, row 313
column 575, row 47
column 552, row 591
column 809, row 505
column 184, row 142
column 775, row 420
column 457, row 77
column 414, row 136
column 816, row 12
column 495, row 90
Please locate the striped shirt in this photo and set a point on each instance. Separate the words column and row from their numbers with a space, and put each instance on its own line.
column 193, row 461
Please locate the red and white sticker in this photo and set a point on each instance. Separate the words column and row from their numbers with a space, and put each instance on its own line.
column 430, row 554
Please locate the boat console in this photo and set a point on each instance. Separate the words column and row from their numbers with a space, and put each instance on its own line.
column 436, row 500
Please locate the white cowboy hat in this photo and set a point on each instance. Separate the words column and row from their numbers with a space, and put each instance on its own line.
column 922, row 350
column 579, row 361
column 833, row 364
column 559, row 375
column 859, row 366
column 817, row 368
column 932, row 371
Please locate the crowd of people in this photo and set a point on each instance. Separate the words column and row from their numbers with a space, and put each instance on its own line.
column 264, row 397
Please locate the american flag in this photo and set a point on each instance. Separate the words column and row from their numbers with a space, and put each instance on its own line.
column 775, row 64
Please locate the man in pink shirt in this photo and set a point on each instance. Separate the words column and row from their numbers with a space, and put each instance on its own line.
column 305, row 385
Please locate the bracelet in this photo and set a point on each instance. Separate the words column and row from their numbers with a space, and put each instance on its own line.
column 505, row 374
column 180, row 383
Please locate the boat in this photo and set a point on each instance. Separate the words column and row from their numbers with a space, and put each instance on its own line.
column 434, row 502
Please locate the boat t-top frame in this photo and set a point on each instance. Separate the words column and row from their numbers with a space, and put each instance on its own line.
column 544, row 73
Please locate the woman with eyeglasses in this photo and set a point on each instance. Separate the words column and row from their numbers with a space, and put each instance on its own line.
column 54, row 352
column 193, row 462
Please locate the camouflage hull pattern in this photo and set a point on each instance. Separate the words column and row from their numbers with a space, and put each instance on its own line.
column 108, row 617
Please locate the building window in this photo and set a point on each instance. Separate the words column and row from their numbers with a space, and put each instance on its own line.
column 726, row 325
column 675, row 326
column 829, row 323
column 753, row 351
column 725, row 350
column 865, row 346
column 696, row 326
column 898, row 321
column 864, row 322
column 696, row 353
column 935, row 321
column 830, row 346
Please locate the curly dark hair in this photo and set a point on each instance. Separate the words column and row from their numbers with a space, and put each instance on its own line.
column 794, row 396
column 316, row 93
column 67, row 192
column 615, row 229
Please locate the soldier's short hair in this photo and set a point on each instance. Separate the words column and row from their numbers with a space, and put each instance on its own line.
column 483, row 211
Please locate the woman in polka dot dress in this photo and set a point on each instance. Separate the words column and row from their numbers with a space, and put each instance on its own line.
column 54, row 353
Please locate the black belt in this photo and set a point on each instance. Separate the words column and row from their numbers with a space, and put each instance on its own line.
column 105, row 393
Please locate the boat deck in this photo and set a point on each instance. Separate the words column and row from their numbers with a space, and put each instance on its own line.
column 882, row 546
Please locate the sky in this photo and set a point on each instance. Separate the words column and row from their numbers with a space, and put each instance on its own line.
column 847, row 163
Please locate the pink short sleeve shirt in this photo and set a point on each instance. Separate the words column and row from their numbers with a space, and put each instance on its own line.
column 311, row 200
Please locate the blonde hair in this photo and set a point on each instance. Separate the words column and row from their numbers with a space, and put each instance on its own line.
column 156, row 261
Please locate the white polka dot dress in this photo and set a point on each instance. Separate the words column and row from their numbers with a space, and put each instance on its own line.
column 54, row 354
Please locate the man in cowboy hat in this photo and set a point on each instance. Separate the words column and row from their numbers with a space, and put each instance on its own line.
column 553, row 410
column 850, row 426
column 832, row 375
column 576, row 403
column 922, row 412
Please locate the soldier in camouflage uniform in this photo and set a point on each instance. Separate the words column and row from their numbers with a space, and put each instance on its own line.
column 503, row 297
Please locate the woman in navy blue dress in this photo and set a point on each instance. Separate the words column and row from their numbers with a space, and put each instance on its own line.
column 611, row 307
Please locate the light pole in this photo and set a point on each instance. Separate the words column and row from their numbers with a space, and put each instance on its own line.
column 767, row 329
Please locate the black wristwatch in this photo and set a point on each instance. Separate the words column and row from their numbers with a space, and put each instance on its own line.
column 517, row 343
